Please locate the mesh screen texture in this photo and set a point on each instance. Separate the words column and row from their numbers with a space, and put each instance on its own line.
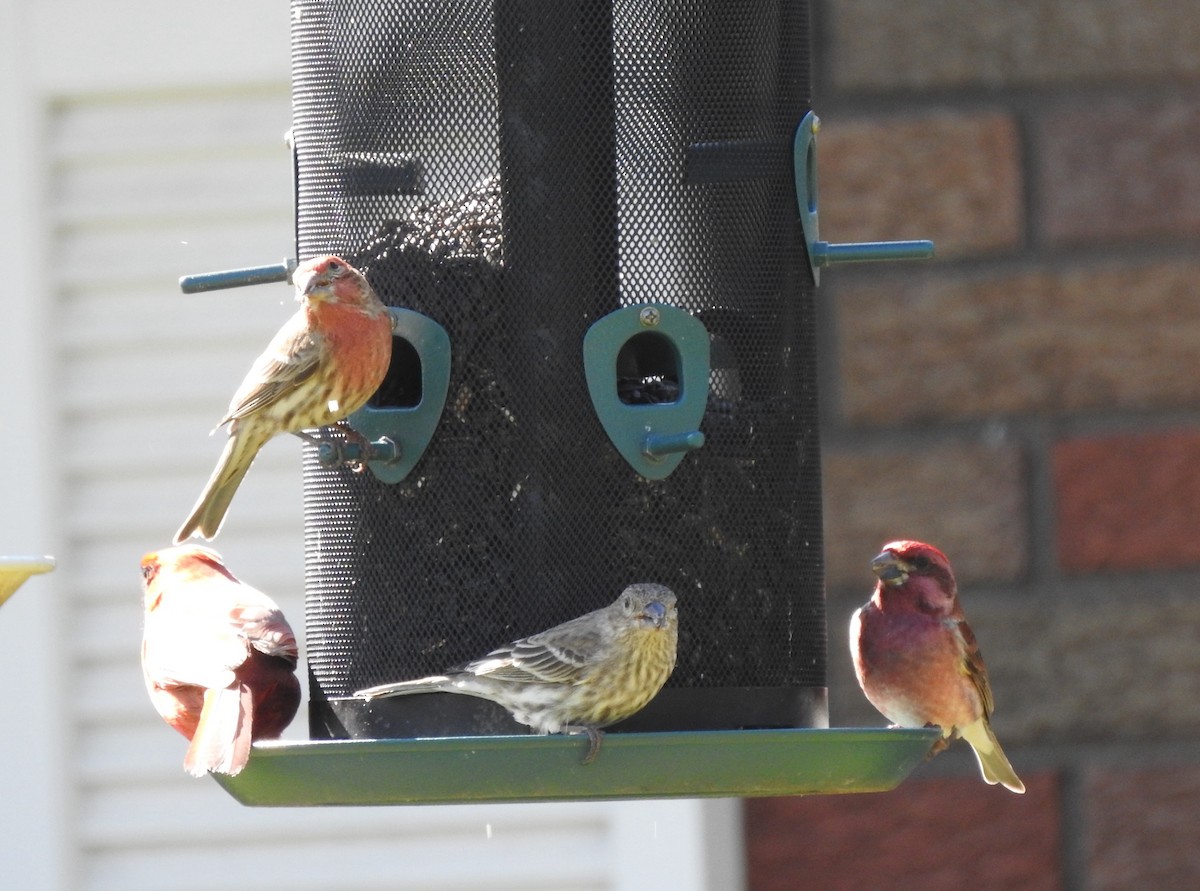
column 517, row 169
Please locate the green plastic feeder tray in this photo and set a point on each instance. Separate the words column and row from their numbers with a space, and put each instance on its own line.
column 465, row 770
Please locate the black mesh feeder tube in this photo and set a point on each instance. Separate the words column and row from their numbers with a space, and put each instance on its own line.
column 519, row 171
column 595, row 224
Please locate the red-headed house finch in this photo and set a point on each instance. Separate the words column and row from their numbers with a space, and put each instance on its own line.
column 218, row 657
column 323, row 365
column 916, row 657
column 577, row 677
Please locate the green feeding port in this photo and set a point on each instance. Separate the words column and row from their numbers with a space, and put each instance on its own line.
column 468, row 770
column 647, row 374
column 402, row 416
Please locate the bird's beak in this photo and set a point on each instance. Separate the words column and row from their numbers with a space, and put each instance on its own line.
column 302, row 279
column 309, row 285
column 890, row 569
column 655, row 612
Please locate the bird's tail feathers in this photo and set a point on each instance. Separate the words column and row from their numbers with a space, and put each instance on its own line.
column 432, row 684
column 209, row 511
column 221, row 743
column 993, row 763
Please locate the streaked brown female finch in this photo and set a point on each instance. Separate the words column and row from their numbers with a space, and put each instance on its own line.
column 218, row 657
column 577, row 677
column 917, row 660
column 322, row 366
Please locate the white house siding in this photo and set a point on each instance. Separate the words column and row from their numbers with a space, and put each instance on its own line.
column 145, row 140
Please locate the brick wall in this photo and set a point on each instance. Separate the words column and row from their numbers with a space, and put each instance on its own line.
column 1030, row 402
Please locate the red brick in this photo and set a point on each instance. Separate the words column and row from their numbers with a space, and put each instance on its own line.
column 1119, row 170
column 953, row 178
column 889, row 47
column 967, row 498
column 927, row 835
column 1128, row 502
column 952, row 346
column 1142, row 828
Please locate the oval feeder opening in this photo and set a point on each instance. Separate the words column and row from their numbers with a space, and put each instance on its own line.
column 648, row 371
column 403, row 386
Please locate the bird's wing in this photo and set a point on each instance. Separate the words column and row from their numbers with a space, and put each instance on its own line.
column 191, row 656
column 199, row 634
column 972, row 663
column 265, row 629
column 560, row 656
column 290, row 359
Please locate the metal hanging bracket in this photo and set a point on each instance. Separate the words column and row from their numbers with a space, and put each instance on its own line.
column 822, row 253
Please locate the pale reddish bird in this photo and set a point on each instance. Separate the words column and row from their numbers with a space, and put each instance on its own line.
column 218, row 657
column 577, row 677
column 322, row 366
column 916, row 657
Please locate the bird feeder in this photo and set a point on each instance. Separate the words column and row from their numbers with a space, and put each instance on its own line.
column 596, row 224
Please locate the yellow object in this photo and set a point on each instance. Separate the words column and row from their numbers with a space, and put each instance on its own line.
column 14, row 571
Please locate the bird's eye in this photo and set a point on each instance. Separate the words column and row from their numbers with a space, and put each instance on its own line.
column 149, row 571
column 627, row 603
column 335, row 267
column 921, row 562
